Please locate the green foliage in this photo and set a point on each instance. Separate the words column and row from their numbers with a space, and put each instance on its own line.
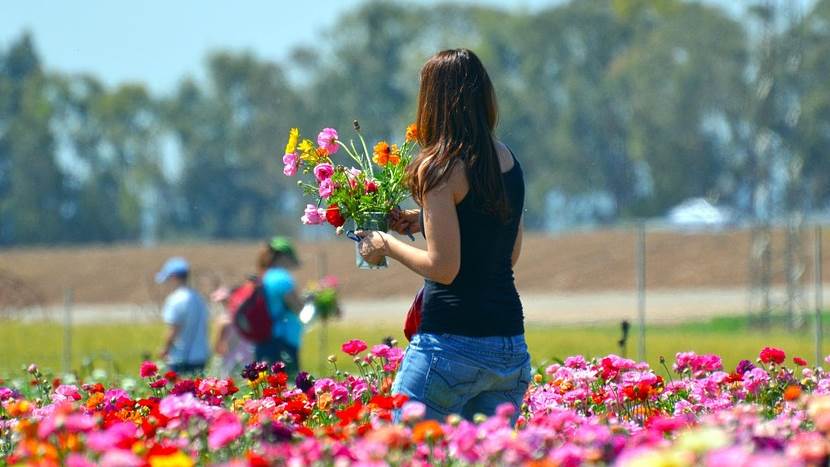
column 646, row 102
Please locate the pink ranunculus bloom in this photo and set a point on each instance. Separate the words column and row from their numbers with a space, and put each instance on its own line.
column 120, row 458
column 327, row 139
column 323, row 171
column 119, row 432
column 78, row 460
column 353, row 347
column 313, row 215
column 380, row 350
column 326, row 189
column 223, row 430
column 412, row 411
column 291, row 161
column 148, row 369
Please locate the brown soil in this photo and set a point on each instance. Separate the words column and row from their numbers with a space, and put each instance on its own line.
column 577, row 262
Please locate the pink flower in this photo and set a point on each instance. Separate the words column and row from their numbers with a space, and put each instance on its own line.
column 291, row 162
column 380, row 350
column 224, row 429
column 313, row 215
column 413, row 411
column 148, row 369
column 118, row 433
column 327, row 139
column 78, row 460
column 323, row 171
column 326, row 189
column 353, row 347
column 120, row 458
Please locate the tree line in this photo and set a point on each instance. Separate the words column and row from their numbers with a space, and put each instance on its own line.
column 617, row 109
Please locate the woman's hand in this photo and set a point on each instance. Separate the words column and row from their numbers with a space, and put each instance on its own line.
column 405, row 221
column 373, row 246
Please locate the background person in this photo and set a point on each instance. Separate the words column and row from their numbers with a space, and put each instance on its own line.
column 186, row 345
column 233, row 352
column 469, row 355
column 276, row 259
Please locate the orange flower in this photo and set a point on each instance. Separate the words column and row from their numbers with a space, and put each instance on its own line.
column 411, row 133
column 792, row 393
column 428, row 430
column 382, row 152
column 94, row 400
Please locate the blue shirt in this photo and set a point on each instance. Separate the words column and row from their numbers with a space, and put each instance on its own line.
column 185, row 309
column 287, row 325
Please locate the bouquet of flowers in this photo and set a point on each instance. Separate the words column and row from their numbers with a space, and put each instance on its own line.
column 365, row 184
column 362, row 187
column 321, row 301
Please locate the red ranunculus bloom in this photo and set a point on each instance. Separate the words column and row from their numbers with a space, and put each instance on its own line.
column 772, row 355
column 148, row 369
column 800, row 361
column 334, row 217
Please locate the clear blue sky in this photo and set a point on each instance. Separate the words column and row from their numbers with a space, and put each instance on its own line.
column 160, row 41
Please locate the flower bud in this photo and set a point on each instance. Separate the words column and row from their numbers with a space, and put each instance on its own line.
column 332, row 358
column 454, row 420
column 479, row 418
column 356, row 125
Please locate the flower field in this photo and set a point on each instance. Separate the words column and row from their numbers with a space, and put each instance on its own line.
column 774, row 410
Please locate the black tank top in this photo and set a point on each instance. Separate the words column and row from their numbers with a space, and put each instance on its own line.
column 482, row 300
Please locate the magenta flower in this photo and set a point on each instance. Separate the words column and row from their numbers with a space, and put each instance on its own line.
column 323, row 171
column 353, row 347
column 148, row 369
column 326, row 189
column 291, row 162
column 327, row 139
column 224, row 429
column 313, row 215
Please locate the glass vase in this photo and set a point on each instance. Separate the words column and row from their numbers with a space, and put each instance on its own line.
column 378, row 221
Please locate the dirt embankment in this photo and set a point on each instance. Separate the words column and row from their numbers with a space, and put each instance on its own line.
column 572, row 263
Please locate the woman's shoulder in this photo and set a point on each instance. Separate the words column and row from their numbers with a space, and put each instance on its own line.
column 506, row 158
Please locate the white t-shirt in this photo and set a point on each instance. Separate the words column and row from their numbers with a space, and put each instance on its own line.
column 186, row 309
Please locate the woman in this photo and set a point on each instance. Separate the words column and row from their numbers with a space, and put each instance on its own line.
column 469, row 355
column 275, row 261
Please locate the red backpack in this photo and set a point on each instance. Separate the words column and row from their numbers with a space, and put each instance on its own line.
column 249, row 312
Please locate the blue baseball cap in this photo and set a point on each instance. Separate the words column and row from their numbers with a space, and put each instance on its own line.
column 172, row 267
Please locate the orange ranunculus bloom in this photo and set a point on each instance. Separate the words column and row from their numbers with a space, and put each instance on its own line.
column 428, row 430
column 411, row 133
column 382, row 152
column 792, row 393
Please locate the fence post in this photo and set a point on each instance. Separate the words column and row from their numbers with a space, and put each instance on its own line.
column 818, row 289
column 641, row 290
column 67, row 330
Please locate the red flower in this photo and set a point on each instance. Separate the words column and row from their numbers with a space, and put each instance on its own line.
column 350, row 414
column 159, row 383
column 171, row 376
column 371, row 186
column 148, row 369
column 353, row 347
column 334, row 217
column 771, row 354
column 799, row 361
column 278, row 380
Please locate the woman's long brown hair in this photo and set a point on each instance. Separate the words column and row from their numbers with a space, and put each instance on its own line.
column 456, row 116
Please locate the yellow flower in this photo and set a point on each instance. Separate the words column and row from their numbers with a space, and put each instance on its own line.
column 307, row 151
column 177, row 459
column 293, row 136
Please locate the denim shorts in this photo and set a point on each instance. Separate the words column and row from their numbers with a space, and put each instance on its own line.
column 462, row 375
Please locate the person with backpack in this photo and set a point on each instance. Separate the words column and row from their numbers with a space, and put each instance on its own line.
column 275, row 261
column 186, row 346
column 233, row 351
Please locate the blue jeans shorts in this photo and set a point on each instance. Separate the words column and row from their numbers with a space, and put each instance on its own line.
column 462, row 375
